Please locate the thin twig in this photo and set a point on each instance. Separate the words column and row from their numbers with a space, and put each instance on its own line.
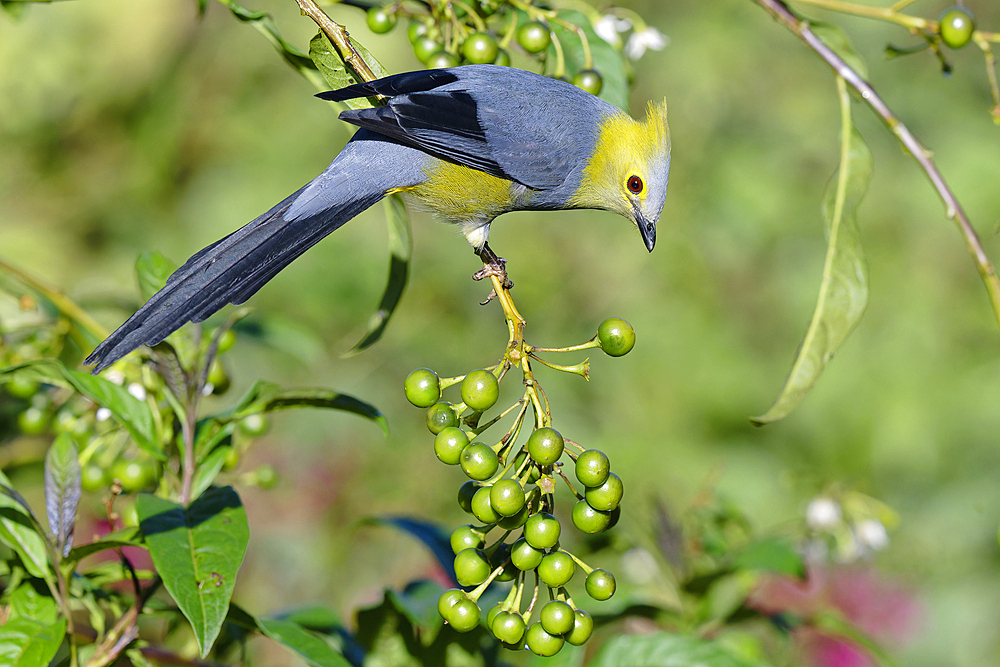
column 953, row 210
column 340, row 39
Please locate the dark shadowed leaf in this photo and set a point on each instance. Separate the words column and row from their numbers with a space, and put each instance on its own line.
column 27, row 643
column 19, row 530
column 197, row 551
column 126, row 537
column 661, row 649
column 400, row 250
column 268, row 397
column 308, row 645
column 418, row 603
column 843, row 293
column 152, row 270
column 433, row 536
column 62, row 490
column 337, row 74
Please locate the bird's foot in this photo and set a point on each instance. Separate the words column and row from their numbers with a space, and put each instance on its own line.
column 493, row 266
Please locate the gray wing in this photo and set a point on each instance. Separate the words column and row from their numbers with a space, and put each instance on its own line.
column 504, row 121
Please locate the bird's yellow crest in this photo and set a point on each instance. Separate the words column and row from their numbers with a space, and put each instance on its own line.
column 629, row 159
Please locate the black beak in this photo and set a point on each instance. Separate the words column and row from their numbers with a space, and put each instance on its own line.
column 647, row 229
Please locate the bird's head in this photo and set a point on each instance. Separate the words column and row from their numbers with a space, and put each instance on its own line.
column 628, row 170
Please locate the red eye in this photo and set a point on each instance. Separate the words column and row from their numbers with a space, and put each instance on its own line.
column 634, row 184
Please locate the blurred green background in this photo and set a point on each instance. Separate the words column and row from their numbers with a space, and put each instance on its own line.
column 130, row 126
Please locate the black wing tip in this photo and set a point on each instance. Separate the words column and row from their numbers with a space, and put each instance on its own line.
column 389, row 86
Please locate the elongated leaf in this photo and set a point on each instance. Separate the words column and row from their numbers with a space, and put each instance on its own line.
column 400, row 251
column 268, row 397
column 33, row 601
column 308, row 645
column 131, row 413
column 843, row 293
column 337, row 74
column 197, row 552
column 126, row 537
column 18, row 531
column 27, row 643
column 62, row 490
column 432, row 535
column 208, row 469
column 152, row 270
column 663, row 650
column 265, row 25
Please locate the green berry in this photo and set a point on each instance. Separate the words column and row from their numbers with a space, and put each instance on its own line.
column 480, row 49
column 508, row 627
column 226, row 341
column 545, row 446
column 524, row 556
column 218, row 378
column 583, row 627
column 33, row 421
column 465, row 494
column 556, row 569
column 480, row 390
column 507, row 497
column 92, row 478
column 542, row 643
column 267, row 476
column 492, row 614
column 424, row 48
column 422, row 387
column 534, row 37
column 957, row 26
column 134, row 475
column 449, row 443
column 592, row 467
column 503, row 58
column 479, row 461
column 381, row 20
column 471, row 567
column 254, row 425
column 556, row 617
column 440, row 416
column 600, row 584
column 21, row 387
column 449, row 598
column 466, row 537
column 481, row 507
column 589, row 80
column 416, row 30
column 441, row 60
column 616, row 336
column 463, row 615
column 588, row 520
column 542, row 531
column 607, row 496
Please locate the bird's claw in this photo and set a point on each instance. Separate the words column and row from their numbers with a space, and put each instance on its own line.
column 494, row 266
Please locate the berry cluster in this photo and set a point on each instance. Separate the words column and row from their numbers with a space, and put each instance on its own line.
column 445, row 34
column 511, row 487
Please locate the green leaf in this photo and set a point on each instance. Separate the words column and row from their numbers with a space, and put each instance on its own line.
column 126, row 537
column 265, row 25
column 19, row 532
column 773, row 555
column 308, row 645
column 662, row 649
column 62, row 490
column 568, row 656
column 197, row 552
column 32, row 600
column 843, row 293
column 418, row 603
column 337, row 74
column 152, row 270
column 27, row 643
column 268, row 397
column 131, row 413
column 208, row 469
column 606, row 59
column 838, row 42
column 400, row 251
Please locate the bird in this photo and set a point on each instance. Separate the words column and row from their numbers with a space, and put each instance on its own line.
column 469, row 143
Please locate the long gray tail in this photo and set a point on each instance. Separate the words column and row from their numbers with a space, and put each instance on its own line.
column 234, row 268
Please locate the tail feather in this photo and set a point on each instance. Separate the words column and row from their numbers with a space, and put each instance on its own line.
column 228, row 271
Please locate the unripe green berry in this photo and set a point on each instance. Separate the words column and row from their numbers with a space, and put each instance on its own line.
column 424, row 48
column 588, row 520
column 464, row 615
column 607, row 496
column 592, row 467
column 465, row 495
column 441, row 60
column 508, row 627
column 480, row 48
column 600, row 584
column 471, row 567
column 516, row 521
column 449, row 443
column 479, row 461
column 93, row 478
column 589, row 80
column 957, row 26
column 507, row 497
column 616, row 336
column 503, row 58
column 440, row 416
column 556, row 617
column 556, row 569
column 466, row 537
column 524, row 556
column 583, row 627
column 448, row 599
column 481, row 507
column 534, row 37
column 480, row 390
column 545, row 446
column 422, row 387
column 542, row 643
column 381, row 20
column 416, row 30
column 542, row 530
